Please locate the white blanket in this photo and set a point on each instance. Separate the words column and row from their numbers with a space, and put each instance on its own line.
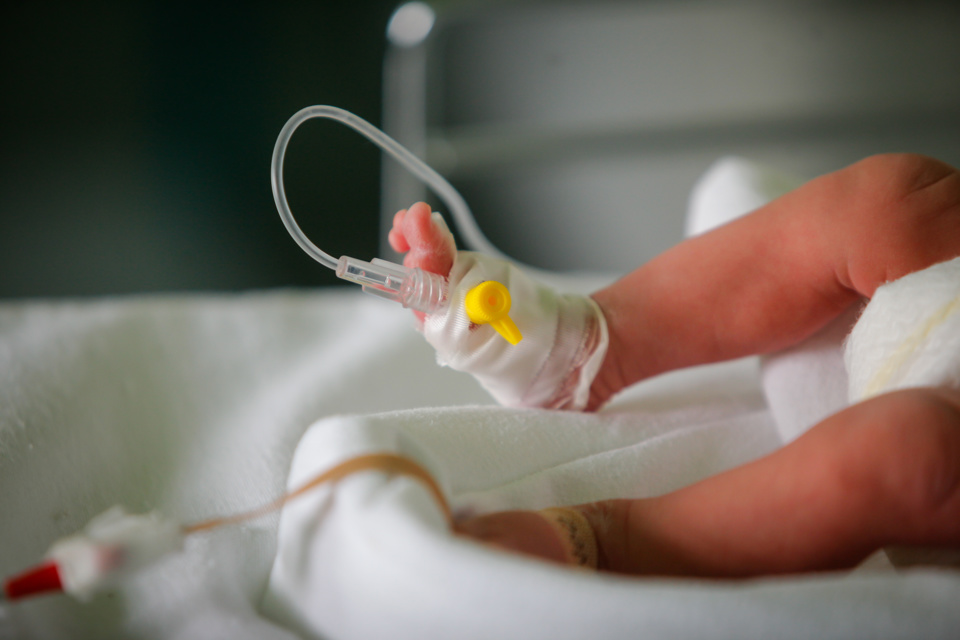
column 194, row 405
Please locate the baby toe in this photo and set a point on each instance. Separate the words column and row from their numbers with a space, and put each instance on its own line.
column 398, row 241
column 396, row 237
column 431, row 245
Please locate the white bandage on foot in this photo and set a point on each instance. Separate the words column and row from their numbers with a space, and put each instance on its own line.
column 564, row 338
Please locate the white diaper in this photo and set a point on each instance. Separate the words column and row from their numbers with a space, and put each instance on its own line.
column 909, row 334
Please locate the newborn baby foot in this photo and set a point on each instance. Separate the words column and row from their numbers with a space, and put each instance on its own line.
column 425, row 238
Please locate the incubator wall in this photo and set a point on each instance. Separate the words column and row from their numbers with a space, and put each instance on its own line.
column 576, row 130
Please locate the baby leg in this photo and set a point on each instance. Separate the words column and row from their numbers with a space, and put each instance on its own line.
column 771, row 279
column 884, row 472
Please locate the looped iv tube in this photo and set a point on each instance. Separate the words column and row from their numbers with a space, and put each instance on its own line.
column 413, row 288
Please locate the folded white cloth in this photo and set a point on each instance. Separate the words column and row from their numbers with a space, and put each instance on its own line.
column 372, row 556
column 808, row 382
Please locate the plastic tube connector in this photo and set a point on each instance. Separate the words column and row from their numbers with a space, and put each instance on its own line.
column 488, row 303
column 414, row 288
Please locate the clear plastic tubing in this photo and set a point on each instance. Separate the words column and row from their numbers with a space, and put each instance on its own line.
column 413, row 288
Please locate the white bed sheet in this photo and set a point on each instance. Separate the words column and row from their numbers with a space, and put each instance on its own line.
column 194, row 405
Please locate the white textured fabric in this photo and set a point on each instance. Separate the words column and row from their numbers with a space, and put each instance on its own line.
column 564, row 338
column 908, row 335
column 371, row 558
column 191, row 405
column 808, row 382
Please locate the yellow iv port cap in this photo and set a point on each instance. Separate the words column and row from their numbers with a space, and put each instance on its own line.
column 488, row 303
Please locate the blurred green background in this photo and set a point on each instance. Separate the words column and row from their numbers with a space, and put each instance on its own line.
column 136, row 141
